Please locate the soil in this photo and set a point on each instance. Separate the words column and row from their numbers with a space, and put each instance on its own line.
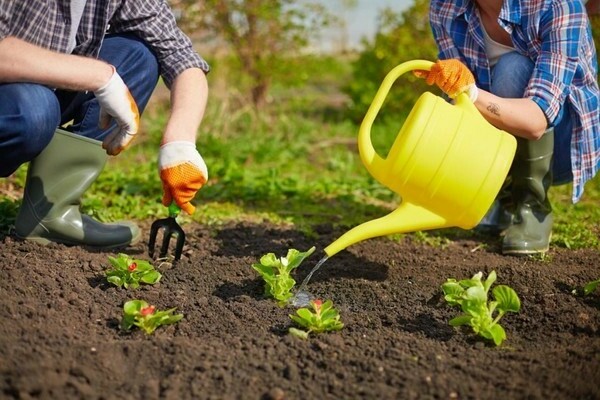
column 60, row 336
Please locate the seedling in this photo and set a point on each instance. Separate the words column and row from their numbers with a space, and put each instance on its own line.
column 129, row 272
column 591, row 286
column 472, row 296
column 277, row 273
column 322, row 318
column 146, row 317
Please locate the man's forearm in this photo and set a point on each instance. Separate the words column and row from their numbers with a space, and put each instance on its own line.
column 23, row 62
column 189, row 93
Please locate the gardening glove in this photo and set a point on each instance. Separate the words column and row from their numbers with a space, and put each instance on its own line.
column 116, row 103
column 452, row 76
column 183, row 172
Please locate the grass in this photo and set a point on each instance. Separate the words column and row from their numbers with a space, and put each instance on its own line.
column 296, row 163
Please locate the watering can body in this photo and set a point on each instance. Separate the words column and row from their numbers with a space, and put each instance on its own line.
column 447, row 164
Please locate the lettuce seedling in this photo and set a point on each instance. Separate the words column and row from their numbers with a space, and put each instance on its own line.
column 472, row 296
column 276, row 272
column 590, row 287
column 146, row 317
column 129, row 272
column 322, row 318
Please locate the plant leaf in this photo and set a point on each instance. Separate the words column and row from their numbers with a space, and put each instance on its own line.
column 590, row 287
column 497, row 334
column 507, row 298
column 299, row 333
column 463, row 319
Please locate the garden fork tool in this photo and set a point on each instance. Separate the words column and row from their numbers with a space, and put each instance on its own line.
column 170, row 228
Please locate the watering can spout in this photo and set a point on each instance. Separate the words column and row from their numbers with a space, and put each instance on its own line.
column 408, row 217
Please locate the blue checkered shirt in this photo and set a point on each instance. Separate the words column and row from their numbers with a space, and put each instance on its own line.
column 46, row 23
column 556, row 35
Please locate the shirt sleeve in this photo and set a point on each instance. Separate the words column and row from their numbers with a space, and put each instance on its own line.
column 153, row 22
column 5, row 10
column 561, row 30
column 445, row 44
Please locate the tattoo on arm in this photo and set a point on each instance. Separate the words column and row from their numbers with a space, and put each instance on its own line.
column 494, row 109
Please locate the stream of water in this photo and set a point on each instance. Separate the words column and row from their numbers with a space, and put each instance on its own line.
column 302, row 297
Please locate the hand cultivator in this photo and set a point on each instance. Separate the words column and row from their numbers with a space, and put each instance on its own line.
column 170, row 228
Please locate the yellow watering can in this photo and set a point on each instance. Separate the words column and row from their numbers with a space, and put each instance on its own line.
column 447, row 164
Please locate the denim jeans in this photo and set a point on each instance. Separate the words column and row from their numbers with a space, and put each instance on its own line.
column 509, row 80
column 30, row 113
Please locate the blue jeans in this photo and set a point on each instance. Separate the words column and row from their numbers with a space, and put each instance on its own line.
column 30, row 113
column 509, row 80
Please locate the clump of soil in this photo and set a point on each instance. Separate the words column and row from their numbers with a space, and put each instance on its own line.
column 60, row 335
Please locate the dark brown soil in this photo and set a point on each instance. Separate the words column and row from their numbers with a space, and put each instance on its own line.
column 60, row 336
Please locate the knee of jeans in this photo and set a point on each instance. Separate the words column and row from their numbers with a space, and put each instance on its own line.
column 511, row 75
column 35, row 125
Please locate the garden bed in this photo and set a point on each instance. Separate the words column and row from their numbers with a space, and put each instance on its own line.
column 60, row 335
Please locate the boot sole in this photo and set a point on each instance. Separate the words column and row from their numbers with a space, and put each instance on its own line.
column 45, row 241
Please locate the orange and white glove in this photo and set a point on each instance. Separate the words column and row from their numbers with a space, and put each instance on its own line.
column 117, row 103
column 452, row 76
column 183, row 172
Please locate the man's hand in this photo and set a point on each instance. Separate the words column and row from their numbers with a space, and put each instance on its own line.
column 452, row 76
column 183, row 172
column 117, row 103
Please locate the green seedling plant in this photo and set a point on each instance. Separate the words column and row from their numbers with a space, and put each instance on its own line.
column 146, row 317
column 481, row 314
column 276, row 272
column 590, row 287
column 320, row 317
column 129, row 272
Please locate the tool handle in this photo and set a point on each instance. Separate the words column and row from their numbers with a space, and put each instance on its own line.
column 173, row 210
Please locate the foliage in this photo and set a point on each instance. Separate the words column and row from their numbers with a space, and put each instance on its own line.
column 129, row 272
column 472, row 296
column 591, row 286
column 276, row 272
column 322, row 318
column 146, row 317
column 400, row 37
column 264, row 35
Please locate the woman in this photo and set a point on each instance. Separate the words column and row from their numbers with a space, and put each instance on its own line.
column 530, row 68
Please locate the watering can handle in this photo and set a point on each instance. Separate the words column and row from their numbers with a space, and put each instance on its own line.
column 368, row 155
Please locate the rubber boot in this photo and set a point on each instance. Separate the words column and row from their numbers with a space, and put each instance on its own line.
column 56, row 180
column 499, row 216
column 530, row 231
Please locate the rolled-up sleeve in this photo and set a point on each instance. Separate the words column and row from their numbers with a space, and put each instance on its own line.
column 154, row 23
column 561, row 31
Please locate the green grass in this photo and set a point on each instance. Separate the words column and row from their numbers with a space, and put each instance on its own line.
column 296, row 163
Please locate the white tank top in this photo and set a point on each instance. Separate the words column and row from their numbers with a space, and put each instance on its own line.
column 494, row 49
column 77, row 7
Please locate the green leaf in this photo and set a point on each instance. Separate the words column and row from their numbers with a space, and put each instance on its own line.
column 497, row 334
column 507, row 298
column 115, row 280
column 463, row 319
column 590, row 287
column 151, row 277
column 476, row 293
column 299, row 333
column 489, row 281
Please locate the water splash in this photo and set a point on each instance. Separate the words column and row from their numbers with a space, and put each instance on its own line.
column 302, row 297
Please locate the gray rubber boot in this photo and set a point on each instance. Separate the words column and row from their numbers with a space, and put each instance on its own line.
column 531, row 172
column 499, row 216
column 56, row 180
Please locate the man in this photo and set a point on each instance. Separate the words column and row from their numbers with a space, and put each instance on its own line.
column 530, row 68
column 92, row 64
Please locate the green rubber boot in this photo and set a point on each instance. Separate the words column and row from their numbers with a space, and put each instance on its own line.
column 499, row 216
column 530, row 231
column 56, row 180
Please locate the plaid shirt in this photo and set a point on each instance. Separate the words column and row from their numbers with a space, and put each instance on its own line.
column 47, row 23
column 556, row 35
